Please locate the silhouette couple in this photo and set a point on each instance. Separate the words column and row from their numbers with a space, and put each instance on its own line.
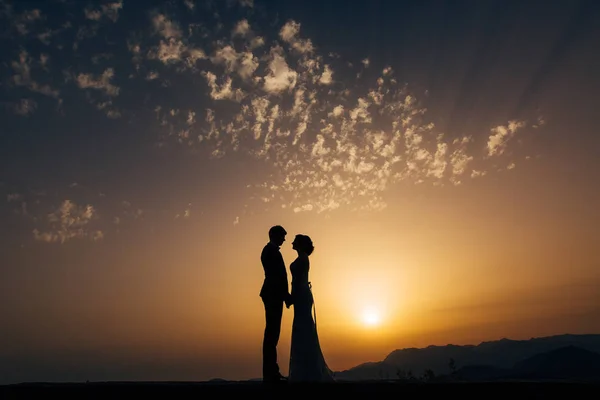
column 307, row 363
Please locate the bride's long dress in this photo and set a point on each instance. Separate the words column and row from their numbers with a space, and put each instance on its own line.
column 307, row 363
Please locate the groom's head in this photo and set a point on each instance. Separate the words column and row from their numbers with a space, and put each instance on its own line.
column 277, row 235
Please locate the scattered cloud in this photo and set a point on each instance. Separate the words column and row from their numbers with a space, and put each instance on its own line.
column 108, row 10
column 280, row 77
column 189, row 4
column 500, row 136
column 242, row 28
column 23, row 76
column 68, row 222
column 166, row 27
column 186, row 214
column 25, row 107
column 327, row 76
column 101, row 82
column 290, row 33
column 25, row 21
column 13, row 197
column 246, row 3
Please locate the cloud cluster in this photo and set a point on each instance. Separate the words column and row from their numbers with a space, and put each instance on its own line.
column 330, row 143
column 333, row 132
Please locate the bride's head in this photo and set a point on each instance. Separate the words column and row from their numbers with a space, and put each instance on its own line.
column 304, row 244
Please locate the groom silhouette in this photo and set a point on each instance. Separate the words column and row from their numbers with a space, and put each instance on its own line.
column 274, row 293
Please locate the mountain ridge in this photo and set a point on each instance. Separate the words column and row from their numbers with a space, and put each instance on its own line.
column 501, row 354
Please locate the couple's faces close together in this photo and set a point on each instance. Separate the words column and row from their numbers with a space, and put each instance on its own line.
column 301, row 242
column 279, row 240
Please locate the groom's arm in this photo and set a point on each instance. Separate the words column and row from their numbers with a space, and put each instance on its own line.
column 282, row 278
column 287, row 297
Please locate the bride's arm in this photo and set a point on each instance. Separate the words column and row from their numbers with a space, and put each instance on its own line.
column 290, row 298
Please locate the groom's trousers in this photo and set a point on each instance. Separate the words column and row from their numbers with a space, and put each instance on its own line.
column 273, row 314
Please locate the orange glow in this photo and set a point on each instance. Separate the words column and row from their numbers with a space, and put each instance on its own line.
column 376, row 288
column 371, row 317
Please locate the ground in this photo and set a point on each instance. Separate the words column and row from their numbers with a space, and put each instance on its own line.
column 172, row 390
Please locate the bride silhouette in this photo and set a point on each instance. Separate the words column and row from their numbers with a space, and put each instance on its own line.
column 307, row 363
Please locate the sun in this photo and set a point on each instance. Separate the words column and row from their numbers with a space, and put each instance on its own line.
column 371, row 318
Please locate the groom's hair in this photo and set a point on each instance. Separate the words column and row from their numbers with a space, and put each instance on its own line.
column 276, row 231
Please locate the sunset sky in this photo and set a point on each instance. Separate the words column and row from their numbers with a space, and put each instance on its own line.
column 442, row 155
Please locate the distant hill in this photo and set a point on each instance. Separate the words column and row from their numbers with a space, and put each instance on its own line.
column 486, row 360
column 565, row 363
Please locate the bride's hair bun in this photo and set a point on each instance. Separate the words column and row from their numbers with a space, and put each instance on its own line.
column 306, row 244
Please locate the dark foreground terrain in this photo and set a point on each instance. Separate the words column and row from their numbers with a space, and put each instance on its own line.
column 511, row 390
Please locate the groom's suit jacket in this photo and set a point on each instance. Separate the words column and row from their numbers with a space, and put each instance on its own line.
column 275, row 285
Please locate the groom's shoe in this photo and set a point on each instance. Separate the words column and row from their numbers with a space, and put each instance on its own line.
column 276, row 379
column 281, row 378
